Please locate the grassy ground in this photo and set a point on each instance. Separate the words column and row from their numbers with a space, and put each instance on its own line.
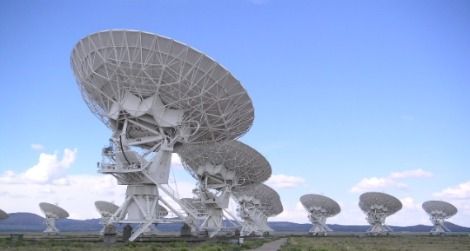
column 60, row 245
column 385, row 243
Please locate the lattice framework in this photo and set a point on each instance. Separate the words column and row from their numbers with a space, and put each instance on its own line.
column 319, row 207
column 438, row 212
column 378, row 206
column 110, row 64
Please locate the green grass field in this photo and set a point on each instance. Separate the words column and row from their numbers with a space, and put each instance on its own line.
column 385, row 243
column 297, row 243
column 45, row 244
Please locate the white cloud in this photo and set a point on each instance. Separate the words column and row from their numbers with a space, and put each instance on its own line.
column 292, row 214
column 460, row 191
column 459, row 196
column 48, row 181
column 77, row 195
column 49, row 168
column 409, row 203
column 37, row 147
column 371, row 183
column 410, row 214
column 284, row 181
column 392, row 180
column 416, row 173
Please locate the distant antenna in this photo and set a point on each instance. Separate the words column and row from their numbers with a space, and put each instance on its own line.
column 255, row 204
column 438, row 212
column 106, row 210
column 3, row 215
column 378, row 206
column 220, row 168
column 319, row 208
column 52, row 213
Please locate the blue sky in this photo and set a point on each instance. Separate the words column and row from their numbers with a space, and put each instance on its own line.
column 346, row 93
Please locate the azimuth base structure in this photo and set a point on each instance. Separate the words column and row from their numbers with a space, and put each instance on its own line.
column 155, row 93
column 319, row 208
column 438, row 212
column 378, row 206
column 219, row 168
column 255, row 204
column 52, row 213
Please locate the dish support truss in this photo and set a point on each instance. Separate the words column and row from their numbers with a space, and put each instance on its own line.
column 376, row 218
column 105, row 221
column 255, row 222
column 438, row 219
column 50, row 225
column 146, row 174
column 317, row 217
column 214, row 191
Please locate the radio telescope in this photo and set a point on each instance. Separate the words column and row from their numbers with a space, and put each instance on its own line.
column 255, row 204
column 3, row 215
column 219, row 168
column 155, row 93
column 378, row 206
column 52, row 213
column 438, row 212
column 106, row 210
column 319, row 208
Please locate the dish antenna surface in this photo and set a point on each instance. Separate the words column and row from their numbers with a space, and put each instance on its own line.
column 378, row 206
column 438, row 212
column 319, row 208
column 255, row 204
column 52, row 213
column 3, row 215
column 155, row 93
column 219, row 168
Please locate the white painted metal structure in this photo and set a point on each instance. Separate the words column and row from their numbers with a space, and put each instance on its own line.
column 319, row 208
column 219, row 168
column 106, row 210
column 155, row 93
column 3, row 215
column 52, row 213
column 378, row 206
column 438, row 212
column 255, row 204
column 197, row 204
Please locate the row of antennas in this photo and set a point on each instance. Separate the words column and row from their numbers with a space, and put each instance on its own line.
column 377, row 207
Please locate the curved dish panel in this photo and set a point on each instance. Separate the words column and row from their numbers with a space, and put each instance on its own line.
column 162, row 83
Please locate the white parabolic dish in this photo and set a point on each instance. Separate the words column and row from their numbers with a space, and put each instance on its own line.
column 233, row 158
column 328, row 206
column 53, row 211
column 3, row 215
column 265, row 198
column 444, row 209
column 161, row 82
column 386, row 203
column 105, row 208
